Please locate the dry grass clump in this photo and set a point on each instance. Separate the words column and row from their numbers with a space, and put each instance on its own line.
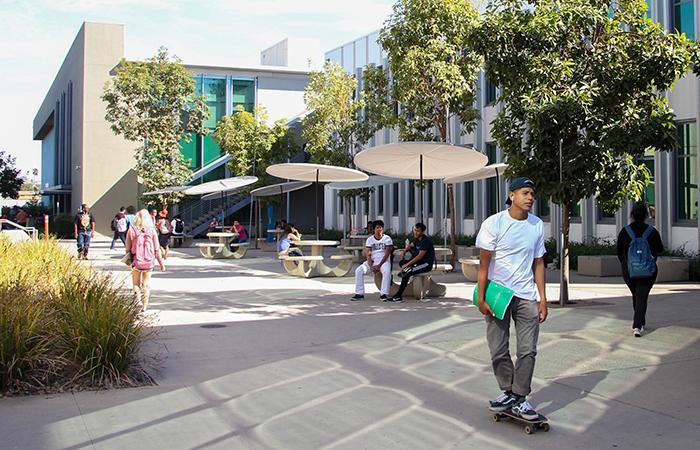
column 62, row 325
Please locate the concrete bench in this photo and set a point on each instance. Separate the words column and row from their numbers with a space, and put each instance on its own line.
column 343, row 257
column 355, row 250
column 599, row 266
column 183, row 240
column 470, row 268
column 301, row 258
column 421, row 287
column 211, row 250
column 672, row 269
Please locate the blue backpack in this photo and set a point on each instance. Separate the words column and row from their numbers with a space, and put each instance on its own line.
column 641, row 263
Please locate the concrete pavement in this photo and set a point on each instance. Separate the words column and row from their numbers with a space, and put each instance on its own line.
column 252, row 358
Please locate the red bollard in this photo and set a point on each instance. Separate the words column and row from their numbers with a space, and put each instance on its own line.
column 46, row 227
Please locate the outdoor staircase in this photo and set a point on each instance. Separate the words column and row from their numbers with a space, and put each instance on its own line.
column 198, row 215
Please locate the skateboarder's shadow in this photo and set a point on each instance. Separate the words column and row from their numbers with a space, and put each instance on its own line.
column 564, row 391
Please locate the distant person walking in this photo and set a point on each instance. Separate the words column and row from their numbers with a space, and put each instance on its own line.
column 119, row 227
column 638, row 246
column 178, row 226
column 83, row 230
column 130, row 216
column 164, row 232
column 142, row 242
column 379, row 248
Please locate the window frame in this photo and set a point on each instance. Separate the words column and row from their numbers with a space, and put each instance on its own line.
column 676, row 221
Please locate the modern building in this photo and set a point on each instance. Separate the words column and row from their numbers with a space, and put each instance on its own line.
column 83, row 161
column 672, row 194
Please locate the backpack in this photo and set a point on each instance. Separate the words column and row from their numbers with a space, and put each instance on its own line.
column 641, row 263
column 143, row 250
column 113, row 225
column 179, row 226
column 164, row 226
column 122, row 225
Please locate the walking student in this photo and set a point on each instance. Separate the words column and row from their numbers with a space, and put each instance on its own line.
column 512, row 250
column 638, row 246
column 142, row 242
column 83, row 230
column 379, row 248
column 130, row 215
column 119, row 227
column 418, row 257
column 164, row 231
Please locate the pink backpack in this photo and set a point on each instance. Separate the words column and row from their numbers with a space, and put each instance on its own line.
column 143, row 250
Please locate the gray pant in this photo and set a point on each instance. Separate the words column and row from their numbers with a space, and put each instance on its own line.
column 525, row 314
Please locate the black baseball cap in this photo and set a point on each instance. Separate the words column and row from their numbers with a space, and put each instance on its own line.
column 519, row 183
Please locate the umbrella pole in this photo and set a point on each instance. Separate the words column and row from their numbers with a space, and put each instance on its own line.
column 498, row 192
column 317, row 222
column 250, row 218
column 421, row 188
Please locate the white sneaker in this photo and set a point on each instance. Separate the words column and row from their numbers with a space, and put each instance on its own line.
column 525, row 410
column 638, row 332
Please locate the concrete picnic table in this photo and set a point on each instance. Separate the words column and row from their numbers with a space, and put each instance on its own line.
column 220, row 246
column 309, row 266
column 422, row 286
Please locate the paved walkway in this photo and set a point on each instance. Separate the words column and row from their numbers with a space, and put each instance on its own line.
column 254, row 359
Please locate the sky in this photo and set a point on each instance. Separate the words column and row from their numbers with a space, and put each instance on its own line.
column 35, row 36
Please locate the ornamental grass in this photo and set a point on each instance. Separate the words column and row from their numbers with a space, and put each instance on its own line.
column 64, row 326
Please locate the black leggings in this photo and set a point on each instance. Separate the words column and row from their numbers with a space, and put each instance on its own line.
column 640, row 288
column 419, row 267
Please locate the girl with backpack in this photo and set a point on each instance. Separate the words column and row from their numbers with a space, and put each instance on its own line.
column 142, row 242
column 164, row 232
column 638, row 246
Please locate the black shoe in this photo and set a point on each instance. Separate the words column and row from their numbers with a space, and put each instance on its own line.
column 383, row 298
column 396, row 299
column 524, row 409
column 503, row 402
column 357, row 297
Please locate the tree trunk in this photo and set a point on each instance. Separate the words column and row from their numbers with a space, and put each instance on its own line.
column 453, row 225
column 564, row 263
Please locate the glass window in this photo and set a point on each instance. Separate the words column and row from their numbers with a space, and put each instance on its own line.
column 380, row 200
column 542, row 208
column 215, row 98
column 243, row 95
column 395, row 198
column 349, row 58
column 216, row 174
column 411, row 198
column 468, row 200
column 212, row 151
column 335, row 56
column 490, row 93
column 361, row 53
column 687, row 172
column 491, row 185
column 684, row 17
column 190, row 151
column 374, row 55
column 576, row 210
column 650, row 189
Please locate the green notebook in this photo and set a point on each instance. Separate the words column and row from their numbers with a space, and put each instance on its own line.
column 497, row 296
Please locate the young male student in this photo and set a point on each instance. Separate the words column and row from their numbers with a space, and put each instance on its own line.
column 512, row 250
column 418, row 257
column 379, row 247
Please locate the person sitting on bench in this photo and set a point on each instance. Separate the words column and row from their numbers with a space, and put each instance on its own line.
column 418, row 257
column 286, row 247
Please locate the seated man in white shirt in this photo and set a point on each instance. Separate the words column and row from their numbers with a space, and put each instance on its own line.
column 379, row 248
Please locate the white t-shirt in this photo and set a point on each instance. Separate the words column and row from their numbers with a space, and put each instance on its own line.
column 515, row 243
column 378, row 247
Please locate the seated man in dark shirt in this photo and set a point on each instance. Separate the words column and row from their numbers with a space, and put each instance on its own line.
column 418, row 257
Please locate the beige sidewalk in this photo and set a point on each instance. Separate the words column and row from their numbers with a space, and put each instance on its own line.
column 258, row 359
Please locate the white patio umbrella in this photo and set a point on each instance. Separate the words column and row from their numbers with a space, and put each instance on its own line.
column 222, row 186
column 315, row 173
column 279, row 189
column 420, row 161
column 492, row 170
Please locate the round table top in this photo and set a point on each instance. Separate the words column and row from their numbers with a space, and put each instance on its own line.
column 318, row 243
column 221, row 234
column 275, row 230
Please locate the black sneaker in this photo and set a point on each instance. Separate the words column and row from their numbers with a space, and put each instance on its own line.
column 357, row 297
column 503, row 402
column 524, row 409
column 397, row 299
column 383, row 298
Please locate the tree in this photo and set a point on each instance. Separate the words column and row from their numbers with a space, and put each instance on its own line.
column 154, row 102
column 252, row 143
column 434, row 72
column 10, row 179
column 579, row 84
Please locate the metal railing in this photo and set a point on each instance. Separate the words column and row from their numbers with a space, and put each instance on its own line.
column 203, row 211
column 31, row 231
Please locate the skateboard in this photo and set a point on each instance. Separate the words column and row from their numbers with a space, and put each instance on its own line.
column 530, row 425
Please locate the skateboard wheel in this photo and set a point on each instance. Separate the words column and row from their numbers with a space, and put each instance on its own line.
column 528, row 430
column 545, row 427
column 496, row 417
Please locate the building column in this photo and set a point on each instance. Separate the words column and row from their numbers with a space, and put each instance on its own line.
column 403, row 205
column 664, row 195
column 588, row 219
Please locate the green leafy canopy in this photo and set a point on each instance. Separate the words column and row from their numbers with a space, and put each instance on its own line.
column 10, row 178
column 154, row 102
